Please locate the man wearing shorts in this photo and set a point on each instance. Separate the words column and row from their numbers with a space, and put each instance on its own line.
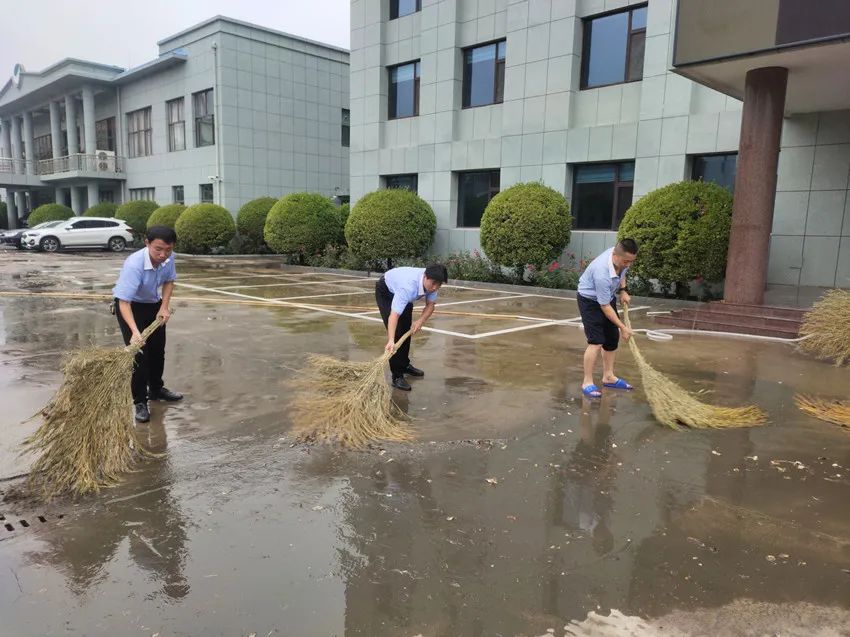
column 598, row 287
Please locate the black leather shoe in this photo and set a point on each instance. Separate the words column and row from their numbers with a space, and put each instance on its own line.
column 400, row 383
column 410, row 370
column 142, row 412
column 167, row 395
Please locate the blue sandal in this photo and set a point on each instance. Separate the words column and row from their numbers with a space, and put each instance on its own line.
column 591, row 391
column 620, row 384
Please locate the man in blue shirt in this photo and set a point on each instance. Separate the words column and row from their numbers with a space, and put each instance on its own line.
column 138, row 302
column 395, row 293
column 598, row 286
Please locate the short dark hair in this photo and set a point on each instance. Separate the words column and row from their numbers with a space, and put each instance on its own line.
column 437, row 272
column 628, row 245
column 163, row 233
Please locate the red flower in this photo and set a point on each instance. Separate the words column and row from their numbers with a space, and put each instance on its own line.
column 553, row 266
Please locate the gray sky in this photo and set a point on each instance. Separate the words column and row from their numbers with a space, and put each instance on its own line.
column 124, row 33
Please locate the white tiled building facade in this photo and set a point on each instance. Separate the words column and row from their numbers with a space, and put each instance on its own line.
column 577, row 110
column 227, row 112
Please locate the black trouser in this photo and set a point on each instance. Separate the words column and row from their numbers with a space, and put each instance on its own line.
column 401, row 359
column 598, row 329
column 150, row 361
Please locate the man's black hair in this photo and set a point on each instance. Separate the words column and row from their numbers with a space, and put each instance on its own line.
column 163, row 233
column 437, row 272
column 628, row 245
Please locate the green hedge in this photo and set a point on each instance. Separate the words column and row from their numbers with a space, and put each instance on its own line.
column 102, row 209
column 251, row 218
column 390, row 224
column 301, row 223
column 49, row 212
column 526, row 224
column 166, row 215
column 136, row 214
column 682, row 232
column 342, row 213
column 202, row 227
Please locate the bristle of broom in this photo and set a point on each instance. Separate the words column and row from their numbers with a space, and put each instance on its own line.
column 674, row 406
column 349, row 403
column 87, row 439
column 827, row 328
column 834, row 411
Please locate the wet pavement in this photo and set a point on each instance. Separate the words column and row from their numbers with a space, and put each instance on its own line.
column 520, row 509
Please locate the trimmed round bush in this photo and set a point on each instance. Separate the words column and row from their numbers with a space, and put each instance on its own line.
column 102, row 209
column 526, row 224
column 390, row 224
column 251, row 218
column 202, row 227
column 301, row 223
column 166, row 215
column 49, row 212
column 682, row 231
column 136, row 214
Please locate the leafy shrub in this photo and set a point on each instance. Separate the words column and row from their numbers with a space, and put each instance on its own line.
column 526, row 224
column 301, row 223
column 390, row 224
column 102, row 209
column 4, row 218
column 202, row 227
column 136, row 214
column 251, row 218
column 563, row 275
column 473, row 266
column 342, row 212
column 337, row 257
column 49, row 212
column 166, row 215
column 682, row 231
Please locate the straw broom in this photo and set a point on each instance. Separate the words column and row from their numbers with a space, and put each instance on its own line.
column 346, row 402
column 834, row 411
column 87, row 439
column 674, row 406
column 826, row 328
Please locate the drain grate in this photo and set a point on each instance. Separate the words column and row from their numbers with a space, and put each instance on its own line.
column 25, row 524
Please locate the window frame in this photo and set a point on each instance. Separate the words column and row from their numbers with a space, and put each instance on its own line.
column 465, row 95
column 617, row 185
column 391, row 92
column 415, row 176
column 209, row 115
column 104, row 129
column 461, row 200
column 201, row 188
column 182, row 199
column 345, row 128
column 394, row 9
column 630, row 33
column 696, row 156
column 135, row 194
column 172, row 126
column 143, row 135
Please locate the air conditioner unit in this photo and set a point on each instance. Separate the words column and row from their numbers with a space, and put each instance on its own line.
column 106, row 161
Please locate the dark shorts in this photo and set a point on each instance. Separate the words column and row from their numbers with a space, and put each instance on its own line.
column 597, row 328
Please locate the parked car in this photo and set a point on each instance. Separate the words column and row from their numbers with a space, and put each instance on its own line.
column 13, row 237
column 80, row 232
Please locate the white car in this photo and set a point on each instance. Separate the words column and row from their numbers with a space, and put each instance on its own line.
column 80, row 232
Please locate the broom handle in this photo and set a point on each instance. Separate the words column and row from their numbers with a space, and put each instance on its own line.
column 404, row 337
column 150, row 329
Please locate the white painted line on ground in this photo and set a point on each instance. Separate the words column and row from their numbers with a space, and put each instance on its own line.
column 494, row 298
column 317, row 296
column 268, row 285
column 510, row 330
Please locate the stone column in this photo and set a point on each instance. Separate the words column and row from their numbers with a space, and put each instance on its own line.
column 29, row 144
column 5, row 138
column 93, row 193
column 88, row 120
column 755, row 185
column 17, row 154
column 76, row 200
column 71, row 124
column 11, row 209
column 59, row 196
column 55, row 129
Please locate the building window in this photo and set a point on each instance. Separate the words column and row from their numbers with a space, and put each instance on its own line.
column 409, row 182
column 44, row 147
column 177, row 194
column 474, row 192
column 206, row 193
column 613, row 48
column 345, row 133
column 176, row 125
column 601, row 195
column 147, row 194
column 106, row 196
column 204, row 118
column 104, row 132
column 404, row 90
column 139, row 133
column 719, row 169
column 484, row 75
column 401, row 8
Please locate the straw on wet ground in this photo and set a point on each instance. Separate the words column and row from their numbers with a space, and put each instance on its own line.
column 826, row 328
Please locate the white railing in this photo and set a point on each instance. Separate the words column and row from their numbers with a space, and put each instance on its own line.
column 100, row 163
